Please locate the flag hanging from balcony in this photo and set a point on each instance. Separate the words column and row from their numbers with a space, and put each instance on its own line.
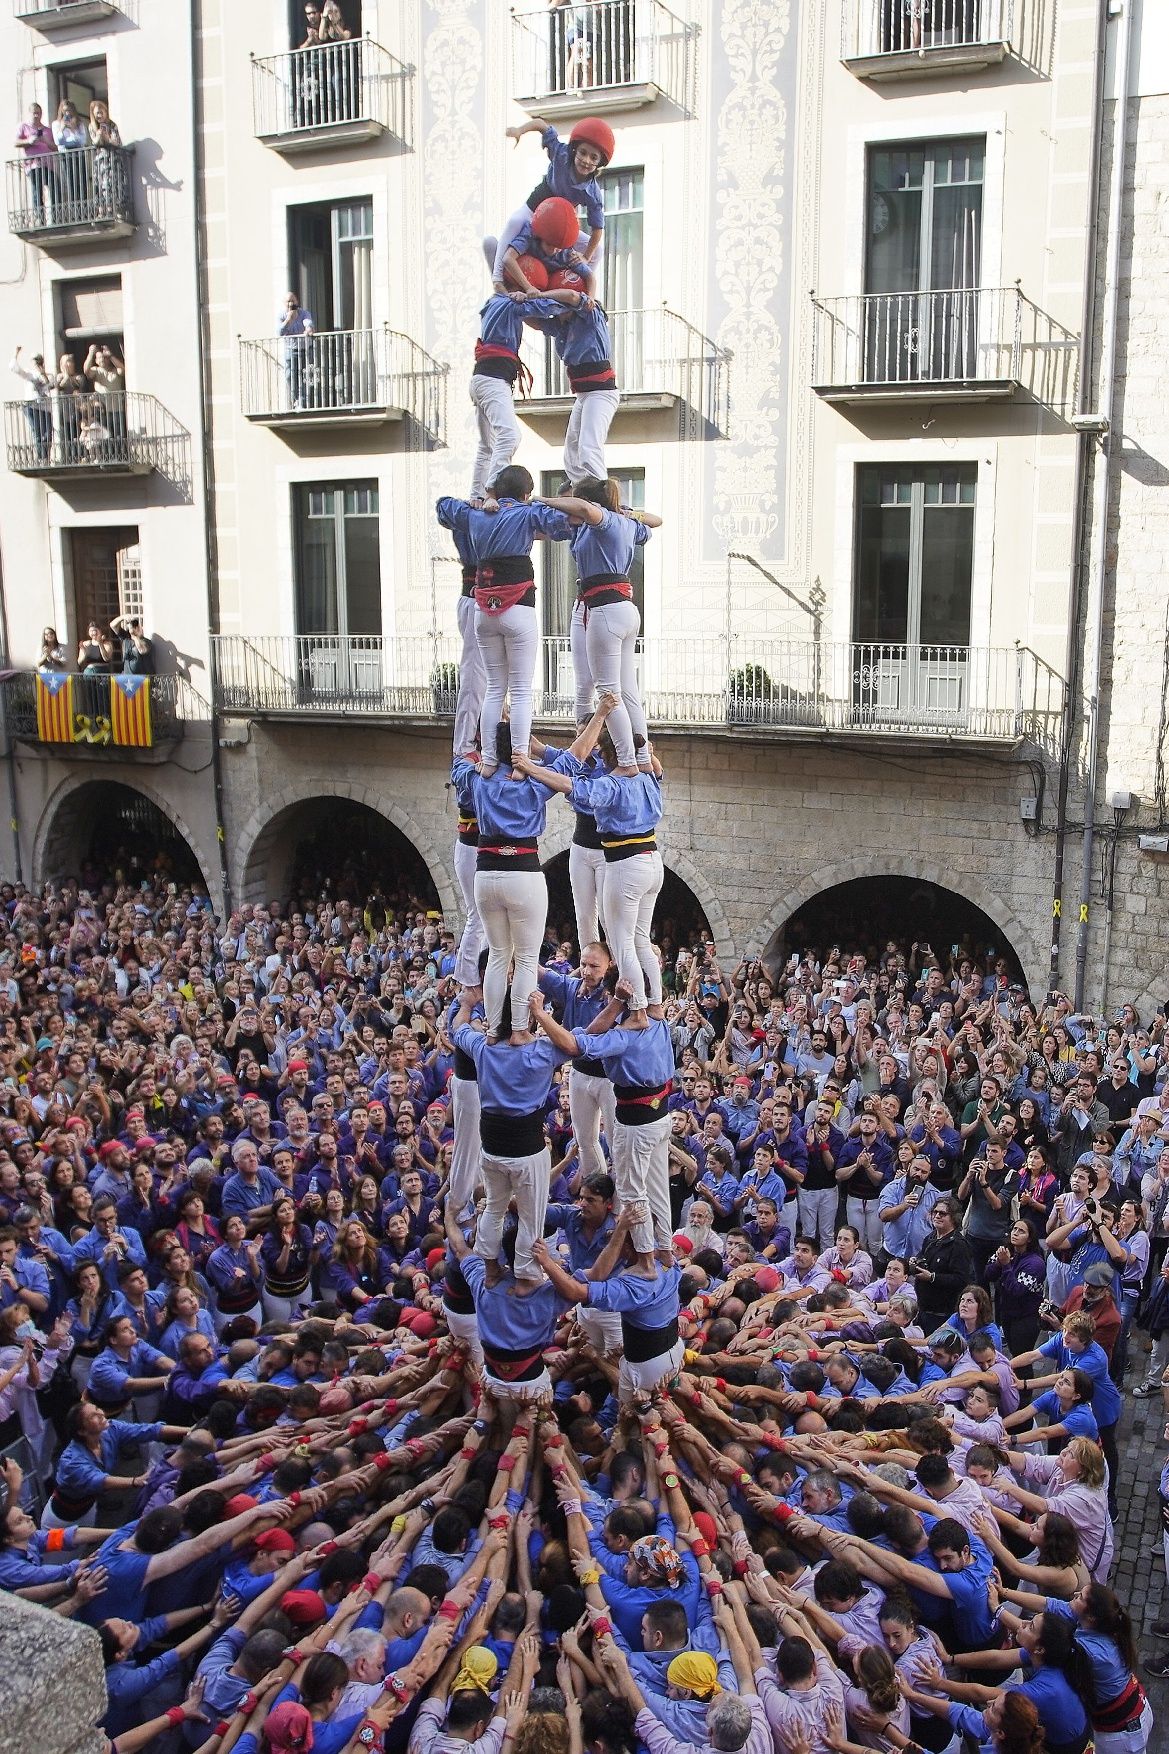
column 130, row 711
column 55, row 708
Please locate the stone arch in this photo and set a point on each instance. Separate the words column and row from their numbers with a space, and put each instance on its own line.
column 257, row 842
column 60, row 823
column 1033, row 957
column 559, row 837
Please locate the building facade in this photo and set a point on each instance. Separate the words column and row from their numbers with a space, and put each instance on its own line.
column 882, row 293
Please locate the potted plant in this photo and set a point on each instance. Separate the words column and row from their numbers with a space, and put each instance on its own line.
column 444, row 687
column 751, row 696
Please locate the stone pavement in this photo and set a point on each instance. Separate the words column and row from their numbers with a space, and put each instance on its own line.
column 1139, row 1570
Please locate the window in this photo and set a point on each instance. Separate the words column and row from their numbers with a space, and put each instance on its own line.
column 558, row 585
column 81, row 82
column 338, row 587
column 624, row 193
column 106, row 568
column 914, row 555
column 330, row 252
column 89, row 313
column 923, row 260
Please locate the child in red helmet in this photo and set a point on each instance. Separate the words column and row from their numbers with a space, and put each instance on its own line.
column 571, row 175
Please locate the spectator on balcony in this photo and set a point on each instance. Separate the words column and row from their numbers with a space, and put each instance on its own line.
column 137, row 652
column 52, row 654
column 342, row 67
column 38, row 407
column 296, row 325
column 306, row 74
column 95, row 653
column 72, row 389
column 72, row 166
column 107, row 373
column 108, row 170
column 35, row 140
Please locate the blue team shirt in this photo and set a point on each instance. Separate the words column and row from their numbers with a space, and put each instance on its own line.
column 505, row 809
column 643, row 1303
column 637, row 1057
column 507, row 1321
column 501, row 319
column 512, row 1080
column 607, row 547
column 510, row 530
column 625, row 804
column 563, row 181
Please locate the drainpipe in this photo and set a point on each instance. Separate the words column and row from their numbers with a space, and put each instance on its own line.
column 210, row 538
column 1095, row 619
column 1084, row 444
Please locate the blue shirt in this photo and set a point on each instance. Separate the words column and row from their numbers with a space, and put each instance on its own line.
column 607, row 547
column 907, row 1235
column 582, row 1253
column 623, row 804
column 641, row 1058
column 512, row 1080
column 80, row 1476
column 563, row 181
column 93, row 1248
column 24, row 1570
column 507, row 1321
column 1093, row 1361
column 510, row 530
column 501, row 320
column 244, row 1197
column 506, row 809
column 110, row 1373
column 577, row 1008
column 643, row 1303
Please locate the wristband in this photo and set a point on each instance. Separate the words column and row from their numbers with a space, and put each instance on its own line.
column 700, row 1547
column 740, row 1567
column 783, row 1513
column 556, row 1442
column 327, row 1547
column 56, row 1541
column 392, row 1404
column 714, row 1586
column 293, row 1499
column 176, row 1715
column 592, row 1575
column 450, row 1611
column 221, row 1727
column 519, row 1430
column 505, row 1463
column 248, row 1703
column 468, row 1455
column 370, row 1736
column 572, row 1507
column 383, row 1462
column 371, row 1582
column 399, row 1523
column 499, row 1522
column 745, row 1478
column 601, row 1627
column 415, row 1448
column 294, row 1656
column 356, row 1427
column 690, row 1356
column 266, row 1461
column 720, row 1383
column 813, row 1354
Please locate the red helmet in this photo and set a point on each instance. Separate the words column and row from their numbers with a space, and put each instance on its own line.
column 555, row 223
column 565, row 279
column 596, row 133
column 533, row 270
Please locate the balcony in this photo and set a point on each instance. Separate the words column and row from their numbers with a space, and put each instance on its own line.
column 662, row 363
column 977, row 344
column 339, row 94
column 787, row 688
column 924, row 39
column 52, row 15
column 78, row 197
column 600, row 58
column 342, row 378
column 75, row 437
column 98, row 712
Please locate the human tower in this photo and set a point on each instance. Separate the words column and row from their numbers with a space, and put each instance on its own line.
column 504, row 1291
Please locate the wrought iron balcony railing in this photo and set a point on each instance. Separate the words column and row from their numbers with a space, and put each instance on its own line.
column 343, row 92
column 596, row 55
column 968, row 343
column 93, row 711
column 340, row 376
column 72, row 197
column 51, row 15
column 905, row 39
column 660, row 360
column 987, row 694
column 126, row 434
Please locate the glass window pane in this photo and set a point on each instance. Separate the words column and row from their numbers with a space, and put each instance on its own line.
column 880, row 610
column 316, row 575
column 947, row 553
column 624, row 229
column 363, row 583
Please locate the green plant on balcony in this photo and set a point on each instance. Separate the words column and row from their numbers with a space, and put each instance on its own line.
column 444, row 686
column 751, row 696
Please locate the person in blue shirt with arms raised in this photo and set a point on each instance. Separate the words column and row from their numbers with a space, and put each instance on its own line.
column 571, row 177
column 580, row 999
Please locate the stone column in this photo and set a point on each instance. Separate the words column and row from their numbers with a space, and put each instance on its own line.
column 52, row 1683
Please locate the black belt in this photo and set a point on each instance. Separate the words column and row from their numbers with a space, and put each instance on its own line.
column 465, row 1066
column 507, row 1135
column 506, row 855
column 589, row 1067
column 504, row 569
column 628, row 847
column 468, row 831
column 643, row 1344
column 638, row 1105
column 586, row 833
column 468, row 580
column 514, row 1366
column 596, row 374
column 601, row 588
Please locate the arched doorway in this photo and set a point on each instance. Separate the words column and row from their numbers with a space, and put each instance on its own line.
column 340, row 848
column 865, row 914
column 103, row 830
column 679, row 918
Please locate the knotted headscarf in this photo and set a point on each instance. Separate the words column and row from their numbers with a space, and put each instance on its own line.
column 477, row 1670
column 697, row 1671
column 659, row 1559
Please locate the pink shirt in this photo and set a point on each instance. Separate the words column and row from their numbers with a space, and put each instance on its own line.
column 804, row 1711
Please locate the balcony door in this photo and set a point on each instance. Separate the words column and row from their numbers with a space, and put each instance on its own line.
column 330, row 253
column 338, row 589
column 106, row 569
column 558, row 592
column 923, row 261
column 911, row 593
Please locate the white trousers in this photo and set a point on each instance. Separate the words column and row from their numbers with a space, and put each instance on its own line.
column 508, row 643
column 817, row 1210
column 592, row 1104
column 513, row 906
column 603, row 1328
column 586, row 874
column 588, row 428
column 471, row 940
column 641, row 1170
column 499, row 430
column 284, row 1309
column 524, row 1180
column 221, row 1320
column 465, row 1329
column 465, row 1154
column 472, row 680
column 604, row 658
column 652, row 1373
column 495, row 252
column 631, row 890
column 1133, row 1741
column 864, row 1216
column 524, row 1392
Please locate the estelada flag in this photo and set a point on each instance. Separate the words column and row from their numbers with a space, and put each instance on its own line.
column 55, row 708
column 130, row 711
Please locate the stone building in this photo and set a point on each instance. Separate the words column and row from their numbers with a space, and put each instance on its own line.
column 866, row 269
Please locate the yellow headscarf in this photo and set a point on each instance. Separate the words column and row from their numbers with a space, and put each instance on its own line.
column 477, row 1670
column 697, row 1671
